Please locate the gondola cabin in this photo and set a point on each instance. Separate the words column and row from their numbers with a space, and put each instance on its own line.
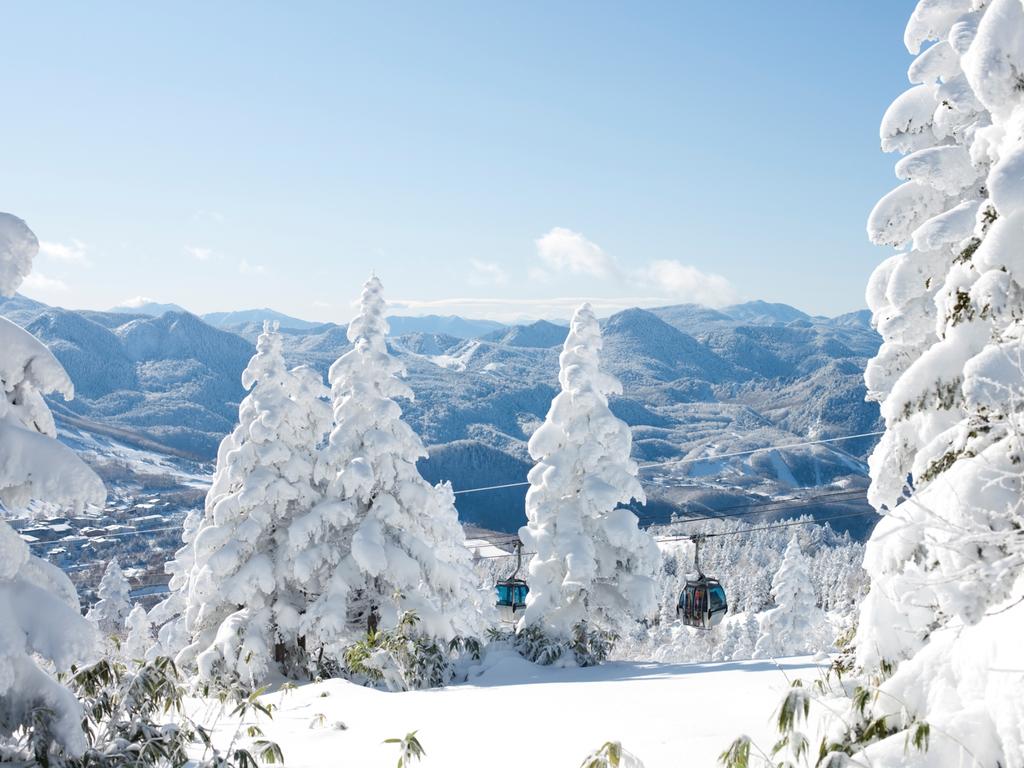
column 512, row 592
column 511, row 599
column 702, row 603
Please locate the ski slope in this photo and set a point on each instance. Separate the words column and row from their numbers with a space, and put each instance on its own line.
column 514, row 713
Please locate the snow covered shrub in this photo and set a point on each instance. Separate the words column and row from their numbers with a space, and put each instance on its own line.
column 795, row 625
column 133, row 714
column 585, row 647
column 138, row 635
column 402, row 659
column 409, row 749
column 611, row 755
column 134, row 717
column 794, row 747
column 41, row 627
column 383, row 543
column 592, row 573
column 114, row 604
column 246, row 594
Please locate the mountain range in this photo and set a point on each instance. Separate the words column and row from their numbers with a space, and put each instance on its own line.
column 697, row 381
column 251, row 320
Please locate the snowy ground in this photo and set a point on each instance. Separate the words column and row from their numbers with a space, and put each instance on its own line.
column 513, row 713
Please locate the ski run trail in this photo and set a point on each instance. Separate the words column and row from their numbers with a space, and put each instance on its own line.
column 514, row 713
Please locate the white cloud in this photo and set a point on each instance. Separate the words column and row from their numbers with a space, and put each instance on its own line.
column 251, row 269
column 37, row 282
column 136, row 302
column 216, row 216
column 683, row 282
column 200, row 253
column 487, row 273
column 69, row 253
column 563, row 250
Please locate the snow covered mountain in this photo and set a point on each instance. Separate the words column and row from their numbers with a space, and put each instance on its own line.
column 172, row 379
column 696, row 381
column 146, row 307
column 243, row 317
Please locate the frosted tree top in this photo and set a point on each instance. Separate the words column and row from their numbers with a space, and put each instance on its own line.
column 18, row 246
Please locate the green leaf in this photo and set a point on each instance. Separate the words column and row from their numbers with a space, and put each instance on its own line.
column 737, row 755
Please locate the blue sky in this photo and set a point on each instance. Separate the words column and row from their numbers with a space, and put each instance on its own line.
column 491, row 159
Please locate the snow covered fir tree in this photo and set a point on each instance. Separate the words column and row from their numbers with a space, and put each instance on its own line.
column 244, row 600
column 935, row 649
column 593, row 571
column 168, row 616
column 795, row 625
column 41, row 628
column 114, row 604
column 384, row 550
column 947, row 560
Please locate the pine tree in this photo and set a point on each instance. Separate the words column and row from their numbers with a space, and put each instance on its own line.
column 947, row 559
column 949, row 378
column 138, row 636
column 41, row 627
column 934, row 313
column 168, row 616
column 751, row 634
column 114, row 602
column 795, row 624
column 594, row 566
column 383, row 542
column 244, row 600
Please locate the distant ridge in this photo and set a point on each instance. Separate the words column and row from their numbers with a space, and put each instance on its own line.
column 231, row 320
column 538, row 335
column 151, row 308
column 449, row 325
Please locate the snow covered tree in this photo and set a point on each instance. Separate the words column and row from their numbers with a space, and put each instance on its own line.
column 40, row 619
column 138, row 635
column 383, row 542
column 938, row 304
column 937, row 637
column 168, row 616
column 114, row 602
column 794, row 625
column 750, row 634
column 244, row 601
column 594, row 567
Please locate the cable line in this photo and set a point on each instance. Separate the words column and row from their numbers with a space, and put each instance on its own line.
column 687, row 537
column 778, row 505
column 770, row 527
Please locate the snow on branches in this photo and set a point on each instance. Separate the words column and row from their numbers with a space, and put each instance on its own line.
column 594, row 566
column 114, row 604
column 40, row 620
column 795, row 625
column 383, row 542
column 947, row 560
column 243, row 599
